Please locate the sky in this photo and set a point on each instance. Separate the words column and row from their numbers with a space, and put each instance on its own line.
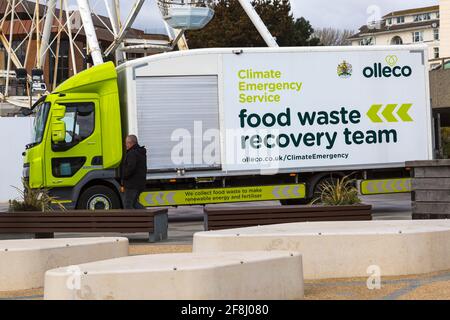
column 350, row 14
column 341, row 14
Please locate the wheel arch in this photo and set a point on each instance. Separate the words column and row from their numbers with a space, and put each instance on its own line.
column 104, row 178
column 316, row 178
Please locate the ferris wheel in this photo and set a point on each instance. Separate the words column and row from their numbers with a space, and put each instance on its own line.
column 73, row 19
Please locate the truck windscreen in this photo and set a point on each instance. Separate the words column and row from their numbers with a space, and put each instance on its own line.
column 41, row 112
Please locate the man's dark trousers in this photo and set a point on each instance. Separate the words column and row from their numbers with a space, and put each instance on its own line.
column 132, row 199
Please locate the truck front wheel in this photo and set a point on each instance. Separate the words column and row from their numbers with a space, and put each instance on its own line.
column 99, row 198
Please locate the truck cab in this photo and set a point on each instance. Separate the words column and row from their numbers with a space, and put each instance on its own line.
column 77, row 136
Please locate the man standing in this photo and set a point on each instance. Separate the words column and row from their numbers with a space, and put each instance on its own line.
column 134, row 172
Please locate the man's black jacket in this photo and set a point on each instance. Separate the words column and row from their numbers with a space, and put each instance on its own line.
column 134, row 168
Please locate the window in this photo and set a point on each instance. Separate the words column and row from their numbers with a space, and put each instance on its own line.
column 422, row 17
column 20, row 49
column 39, row 123
column 67, row 167
column 417, row 36
column 400, row 19
column 3, row 57
column 367, row 41
column 389, row 21
column 80, row 123
column 436, row 53
column 62, row 73
column 436, row 34
column 396, row 40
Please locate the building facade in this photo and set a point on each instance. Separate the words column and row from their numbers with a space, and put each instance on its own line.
column 445, row 28
column 413, row 26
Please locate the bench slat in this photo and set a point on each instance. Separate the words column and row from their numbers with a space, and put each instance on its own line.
column 223, row 216
column 99, row 225
column 285, row 209
column 68, row 215
column 77, row 230
column 74, row 219
column 76, row 213
column 287, row 220
column 249, row 223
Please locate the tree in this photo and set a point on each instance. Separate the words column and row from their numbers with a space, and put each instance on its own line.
column 231, row 27
column 334, row 37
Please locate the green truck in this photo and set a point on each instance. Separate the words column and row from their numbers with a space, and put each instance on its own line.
column 235, row 125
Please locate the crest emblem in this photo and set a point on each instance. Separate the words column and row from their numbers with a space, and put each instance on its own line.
column 345, row 70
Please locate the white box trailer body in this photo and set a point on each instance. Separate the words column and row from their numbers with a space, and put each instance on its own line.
column 279, row 110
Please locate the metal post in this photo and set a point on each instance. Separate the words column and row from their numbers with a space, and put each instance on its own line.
column 47, row 32
column 58, row 43
column 69, row 32
column 112, row 13
column 89, row 29
column 8, row 68
column 115, row 23
column 38, row 33
column 259, row 24
column 128, row 23
column 182, row 43
column 117, row 7
column 30, row 39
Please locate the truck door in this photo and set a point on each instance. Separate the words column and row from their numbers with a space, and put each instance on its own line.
column 68, row 161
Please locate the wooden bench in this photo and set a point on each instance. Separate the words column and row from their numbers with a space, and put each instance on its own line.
column 218, row 218
column 44, row 225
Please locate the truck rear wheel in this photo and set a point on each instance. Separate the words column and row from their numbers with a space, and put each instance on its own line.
column 318, row 188
column 295, row 202
column 99, row 198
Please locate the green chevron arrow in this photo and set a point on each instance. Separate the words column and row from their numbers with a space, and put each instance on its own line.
column 373, row 113
column 403, row 112
column 388, row 113
column 384, row 186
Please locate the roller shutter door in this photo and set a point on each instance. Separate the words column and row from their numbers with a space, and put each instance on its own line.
column 167, row 104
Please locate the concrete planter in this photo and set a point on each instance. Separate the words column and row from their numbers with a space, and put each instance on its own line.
column 345, row 249
column 23, row 263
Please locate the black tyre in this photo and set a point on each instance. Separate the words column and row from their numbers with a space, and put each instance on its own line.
column 318, row 188
column 295, row 202
column 99, row 198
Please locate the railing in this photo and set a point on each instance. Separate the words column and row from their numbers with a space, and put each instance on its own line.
column 165, row 5
column 439, row 62
column 14, row 90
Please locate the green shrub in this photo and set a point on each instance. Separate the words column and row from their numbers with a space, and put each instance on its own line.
column 33, row 200
column 340, row 192
column 445, row 139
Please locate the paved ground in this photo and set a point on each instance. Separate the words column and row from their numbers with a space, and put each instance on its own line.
column 435, row 286
column 184, row 222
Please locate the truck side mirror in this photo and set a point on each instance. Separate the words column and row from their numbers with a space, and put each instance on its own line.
column 58, row 127
column 26, row 111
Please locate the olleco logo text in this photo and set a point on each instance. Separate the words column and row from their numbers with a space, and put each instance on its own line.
column 391, row 70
